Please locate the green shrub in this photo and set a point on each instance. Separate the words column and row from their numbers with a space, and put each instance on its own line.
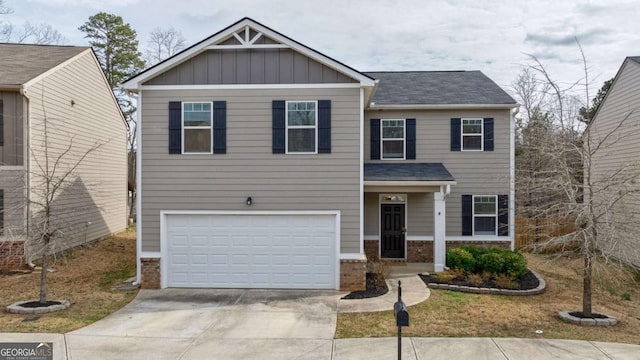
column 514, row 264
column 458, row 258
column 492, row 262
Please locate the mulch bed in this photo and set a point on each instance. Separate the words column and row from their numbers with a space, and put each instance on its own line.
column 376, row 286
column 526, row 282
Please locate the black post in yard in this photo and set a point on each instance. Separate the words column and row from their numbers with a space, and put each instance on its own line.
column 399, row 327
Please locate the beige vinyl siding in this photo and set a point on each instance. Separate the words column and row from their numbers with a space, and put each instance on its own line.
column 12, row 183
column 419, row 213
column 251, row 66
column 274, row 181
column 81, row 113
column 476, row 172
column 11, row 152
column 620, row 155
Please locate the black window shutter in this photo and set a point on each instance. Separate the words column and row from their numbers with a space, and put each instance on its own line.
column 411, row 139
column 467, row 215
column 1, row 123
column 219, row 127
column 324, row 126
column 488, row 134
column 503, row 215
column 278, row 118
column 375, row 139
column 456, row 128
column 175, row 127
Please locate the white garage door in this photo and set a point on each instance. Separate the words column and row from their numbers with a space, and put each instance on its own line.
column 251, row 251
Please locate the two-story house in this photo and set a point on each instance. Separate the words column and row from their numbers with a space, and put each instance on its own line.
column 59, row 122
column 266, row 164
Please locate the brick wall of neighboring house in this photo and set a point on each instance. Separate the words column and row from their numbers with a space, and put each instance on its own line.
column 420, row 251
column 353, row 275
column 12, row 255
column 150, row 272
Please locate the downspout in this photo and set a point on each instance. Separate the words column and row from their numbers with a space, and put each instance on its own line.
column 512, row 175
column 26, row 160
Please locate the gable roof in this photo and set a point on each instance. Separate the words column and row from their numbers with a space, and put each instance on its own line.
column 231, row 31
column 402, row 88
column 635, row 59
column 20, row 63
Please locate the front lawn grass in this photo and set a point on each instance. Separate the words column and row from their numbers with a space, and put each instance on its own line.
column 85, row 276
column 455, row 314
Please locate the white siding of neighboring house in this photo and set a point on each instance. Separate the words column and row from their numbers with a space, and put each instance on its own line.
column 617, row 127
column 81, row 113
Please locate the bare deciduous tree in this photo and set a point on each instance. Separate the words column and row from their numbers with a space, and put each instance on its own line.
column 163, row 44
column 52, row 173
column 558, row 172
column 40, row 34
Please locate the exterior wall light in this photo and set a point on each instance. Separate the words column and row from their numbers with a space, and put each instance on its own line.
column 249, row 200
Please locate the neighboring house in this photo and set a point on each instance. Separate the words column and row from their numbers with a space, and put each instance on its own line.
column 65, row 85
column 615, row 168
column 266, row 164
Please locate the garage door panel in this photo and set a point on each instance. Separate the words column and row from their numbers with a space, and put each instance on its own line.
column 244, row 251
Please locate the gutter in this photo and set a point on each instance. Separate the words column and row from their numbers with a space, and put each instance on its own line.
column 373, row 106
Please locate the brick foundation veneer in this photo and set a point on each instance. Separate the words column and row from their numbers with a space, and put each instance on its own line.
column 353, row 275
column 150, row 272
column 12, row 255
column 420, row 251
column 371, row 249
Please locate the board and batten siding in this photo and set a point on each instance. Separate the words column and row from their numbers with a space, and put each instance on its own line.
column 616, row 127
column 81, row 114
column 11, row 150
column 251, row 66
column 273, row 181
column 476, row 172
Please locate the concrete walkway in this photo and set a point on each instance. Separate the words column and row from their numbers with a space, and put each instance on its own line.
column 339, row 349
column 414, row 291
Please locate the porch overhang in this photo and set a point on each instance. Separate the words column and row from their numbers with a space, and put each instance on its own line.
column 407, row 177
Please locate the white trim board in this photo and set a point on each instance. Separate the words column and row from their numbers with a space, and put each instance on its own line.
column 251, row 86
column 373, row 106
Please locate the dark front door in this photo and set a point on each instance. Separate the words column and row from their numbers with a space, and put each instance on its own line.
column 392, row 225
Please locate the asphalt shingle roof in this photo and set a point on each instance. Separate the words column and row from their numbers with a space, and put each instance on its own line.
column 437, row 88
column 635, row 58
column 20, row 63
column 407, row 172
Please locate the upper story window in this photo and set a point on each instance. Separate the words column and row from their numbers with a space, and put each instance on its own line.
column 392, row 139
column 485, row 215
column 302, row 127
column 197, row 118
column 472, row 134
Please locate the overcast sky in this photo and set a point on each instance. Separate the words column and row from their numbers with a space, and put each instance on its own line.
column 488, row 35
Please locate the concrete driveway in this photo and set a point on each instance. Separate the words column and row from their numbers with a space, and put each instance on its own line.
column 213, row 324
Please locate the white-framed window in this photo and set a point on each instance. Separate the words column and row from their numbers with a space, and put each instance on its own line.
column 485, row 214
column 392, row 139
column 472, row 135
column 302, row 127
column 197, row 119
